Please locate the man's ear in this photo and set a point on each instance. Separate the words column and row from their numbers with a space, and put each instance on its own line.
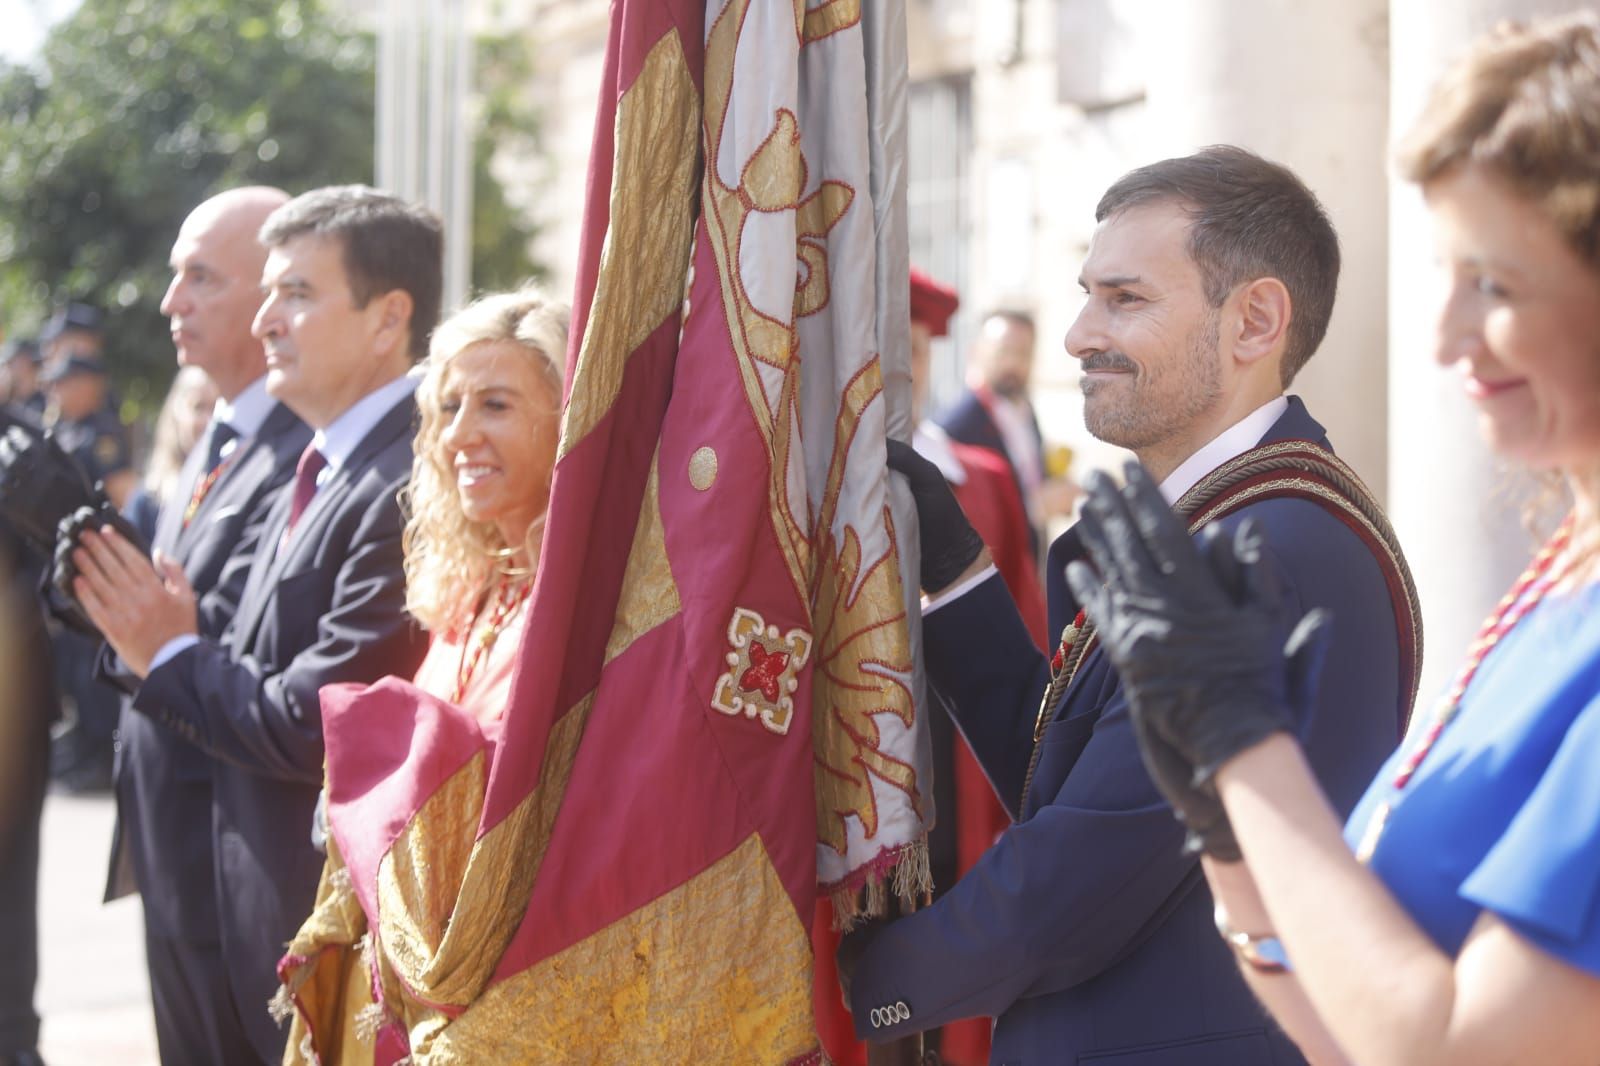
column 392, row 312
column 1264, row 312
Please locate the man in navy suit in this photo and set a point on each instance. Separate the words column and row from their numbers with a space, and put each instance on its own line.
column 1086, row 932
column 162, row 847
column 352, row 288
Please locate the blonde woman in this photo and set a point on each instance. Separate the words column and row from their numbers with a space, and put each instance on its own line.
column 491, row 410
column 490, row 404
column 1456, row 918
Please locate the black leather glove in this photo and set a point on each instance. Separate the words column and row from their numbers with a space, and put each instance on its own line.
column 949, row 543
column 1196, row 804
column 59, row 596
column 1201, row 638
column 39, row 486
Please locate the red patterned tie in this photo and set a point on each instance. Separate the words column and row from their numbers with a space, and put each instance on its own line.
column 305, row 483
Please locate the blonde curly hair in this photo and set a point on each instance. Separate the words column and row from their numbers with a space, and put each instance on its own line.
column 449, row 560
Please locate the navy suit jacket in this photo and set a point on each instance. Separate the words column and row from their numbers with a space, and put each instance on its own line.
column 328, row 605
column 1085, row 932
column 162, row 843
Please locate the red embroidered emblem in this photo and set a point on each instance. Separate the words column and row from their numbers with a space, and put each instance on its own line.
column 766, row 670
column 761, row 680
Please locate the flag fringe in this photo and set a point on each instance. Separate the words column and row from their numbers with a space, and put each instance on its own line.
column 368, row 1021
column 902, row 871
column 281, row 1005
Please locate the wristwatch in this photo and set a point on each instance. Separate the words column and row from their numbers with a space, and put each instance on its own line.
column 1263, row 954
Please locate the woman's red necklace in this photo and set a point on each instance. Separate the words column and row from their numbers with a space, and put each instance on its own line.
column 509, row 595
column 1539, row 578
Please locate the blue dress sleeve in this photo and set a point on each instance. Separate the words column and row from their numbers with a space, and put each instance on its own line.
column 1542, row 877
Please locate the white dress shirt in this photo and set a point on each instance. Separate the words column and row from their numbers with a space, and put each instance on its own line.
column 244, row 414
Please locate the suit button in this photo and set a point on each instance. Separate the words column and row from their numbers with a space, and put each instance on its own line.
column 902, row 1013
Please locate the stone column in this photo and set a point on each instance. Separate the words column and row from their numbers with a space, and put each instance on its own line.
column 1304, row 84
column 1454, row 505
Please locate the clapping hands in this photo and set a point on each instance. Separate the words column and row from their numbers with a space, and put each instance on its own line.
column 1204, row 639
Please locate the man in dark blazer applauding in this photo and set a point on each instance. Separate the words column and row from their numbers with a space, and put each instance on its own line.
column 1086, row 932
column 352, row 288
column 163, row 847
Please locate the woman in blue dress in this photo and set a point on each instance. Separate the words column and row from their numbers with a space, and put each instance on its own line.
column 1456, row 917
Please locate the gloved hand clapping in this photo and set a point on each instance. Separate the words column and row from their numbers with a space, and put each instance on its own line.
column 61, row 599
column 949, row 543
column 1201, row 639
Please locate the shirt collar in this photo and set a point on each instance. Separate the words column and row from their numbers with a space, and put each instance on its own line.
column 246, row 412
column 1235, row 440
column 339, row 440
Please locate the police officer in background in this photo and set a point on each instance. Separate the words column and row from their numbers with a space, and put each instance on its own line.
column 87, row 430
column 86, row 427
column 19, row 380
column 76, row 329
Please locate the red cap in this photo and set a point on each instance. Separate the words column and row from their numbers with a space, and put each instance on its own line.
column 932, row 304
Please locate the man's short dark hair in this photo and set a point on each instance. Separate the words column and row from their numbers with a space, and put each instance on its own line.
column 1249, row 218
column 388, row 244
column 1014, row 315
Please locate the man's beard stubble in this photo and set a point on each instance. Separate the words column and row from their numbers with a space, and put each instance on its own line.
column 1152, row 408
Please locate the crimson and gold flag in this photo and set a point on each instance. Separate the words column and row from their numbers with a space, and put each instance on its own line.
column 713, row 707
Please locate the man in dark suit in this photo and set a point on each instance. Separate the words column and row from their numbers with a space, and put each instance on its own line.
column 1086, row 931
column 996, row 413
column 352, row 283
column 162, row 847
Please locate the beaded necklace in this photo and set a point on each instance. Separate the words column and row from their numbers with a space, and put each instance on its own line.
column 1539, row 578
column 509, row 595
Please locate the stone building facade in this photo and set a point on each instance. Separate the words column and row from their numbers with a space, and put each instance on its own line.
column 1023, row 111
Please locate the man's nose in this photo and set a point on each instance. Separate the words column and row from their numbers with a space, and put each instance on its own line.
column 265, row 324
column 170, row 299
column 1084, row 337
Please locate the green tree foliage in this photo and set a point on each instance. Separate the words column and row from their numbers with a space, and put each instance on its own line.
column 139, row 109
column 506, row 127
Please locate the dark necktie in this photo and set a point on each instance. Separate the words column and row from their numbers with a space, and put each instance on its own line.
column 218, row 434
column 305, row 483
column 217, row 438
